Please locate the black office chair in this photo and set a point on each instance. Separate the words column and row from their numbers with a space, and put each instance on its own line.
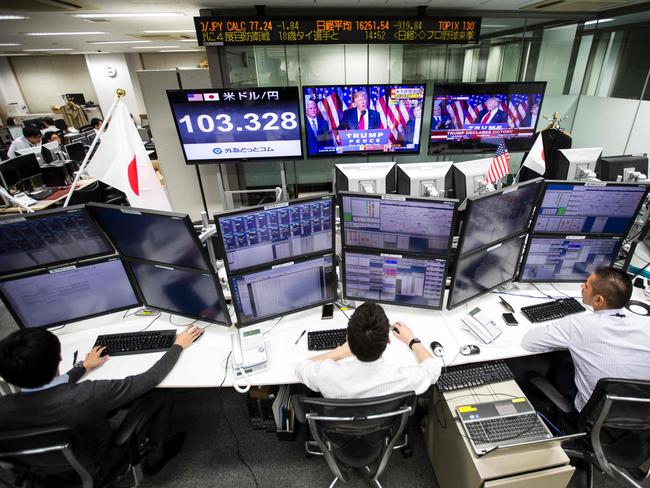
column 60, row 457
column 91, row 193
column 617, row 421
column 357, row 434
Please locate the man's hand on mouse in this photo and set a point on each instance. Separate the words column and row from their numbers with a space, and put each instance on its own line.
column 402, row 332
column 94, row 358
column 188, row 336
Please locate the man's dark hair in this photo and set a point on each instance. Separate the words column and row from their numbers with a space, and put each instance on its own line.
column 31, row 131
column 368, row 330
column 614, row 285
column 48, row 120
column 95, row 123
column 29, row 358
column 48, row 136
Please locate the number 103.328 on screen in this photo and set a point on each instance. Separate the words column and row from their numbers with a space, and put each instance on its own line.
column 251, row 122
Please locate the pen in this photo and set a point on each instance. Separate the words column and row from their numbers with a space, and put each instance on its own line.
column 300, row 337
column 74, row 358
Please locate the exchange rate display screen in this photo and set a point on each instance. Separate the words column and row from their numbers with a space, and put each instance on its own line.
column 237, row 124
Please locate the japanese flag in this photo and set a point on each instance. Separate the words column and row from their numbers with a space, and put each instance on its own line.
column 535, row 159
column 211, row 97
column 121, row 161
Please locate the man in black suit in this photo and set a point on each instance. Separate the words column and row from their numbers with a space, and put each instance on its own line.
column 492, row 114
column 318, row 131
column 360, row 116
column 531, row 117
column 439, row 121
column 413, row 126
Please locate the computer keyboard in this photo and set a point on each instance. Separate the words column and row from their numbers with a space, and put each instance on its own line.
column 552, row 310
column 43, row 194
column 318, row 340
column 465, row 376
column 137, row 342
column 503, row 428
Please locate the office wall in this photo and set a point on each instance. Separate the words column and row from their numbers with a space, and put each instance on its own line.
column 9, row 89
column 554, row 57
column 43, row 79
column 638, row 141
column 157, row 61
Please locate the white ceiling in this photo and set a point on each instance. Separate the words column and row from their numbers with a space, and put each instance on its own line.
column 57, row 16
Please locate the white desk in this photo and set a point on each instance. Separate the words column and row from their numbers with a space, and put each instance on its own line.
column 203, row 364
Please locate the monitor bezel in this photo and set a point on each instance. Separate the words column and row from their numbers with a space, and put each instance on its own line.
column 342, row 155
column 399, row 198
column 133, row 210
column 240, row 323
column 488, row 86
column 141, row 296
column 16, row 317
column 237, row 160
column 373, row 252
column 582, row 237
column 595, row 185
column 44, row 214
column 241, row 211
column 645, row 231
column 522, row 235
column 473, row 198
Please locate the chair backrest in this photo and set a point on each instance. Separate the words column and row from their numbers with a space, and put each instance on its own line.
column 358, row 432
column 617, row 416
column 91, row 193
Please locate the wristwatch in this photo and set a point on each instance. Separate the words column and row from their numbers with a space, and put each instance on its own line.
column 415, row 340
column 79, row 364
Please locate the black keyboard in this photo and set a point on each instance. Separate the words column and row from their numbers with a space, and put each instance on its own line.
column 552, row 310
column 467, row 375
column 326, row 339
column 137, row 342
column 43, row 194
column 503, row 428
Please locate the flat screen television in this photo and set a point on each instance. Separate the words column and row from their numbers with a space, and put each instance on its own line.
column 474, row 117
column 237, row 124
column 363, row 119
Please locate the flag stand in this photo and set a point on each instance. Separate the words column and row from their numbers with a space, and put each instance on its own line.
column 120, row 94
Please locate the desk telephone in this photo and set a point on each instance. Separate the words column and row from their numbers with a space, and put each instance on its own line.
column 248, row 355
column 481, row 326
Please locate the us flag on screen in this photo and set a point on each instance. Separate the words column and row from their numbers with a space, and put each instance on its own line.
column 500, row 165
column 518, row 107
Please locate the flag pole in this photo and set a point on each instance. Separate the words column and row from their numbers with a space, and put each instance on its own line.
column 119, row 95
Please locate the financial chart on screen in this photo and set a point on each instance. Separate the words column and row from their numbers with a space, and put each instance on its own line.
column 277, row 232
column 585, row 209
column 394, row 279
column 398, row 224
column 567, row 259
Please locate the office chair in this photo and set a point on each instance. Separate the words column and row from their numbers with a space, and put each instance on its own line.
column 617, row 421
column 59, row 457
column 91, row 193
column 353, row 434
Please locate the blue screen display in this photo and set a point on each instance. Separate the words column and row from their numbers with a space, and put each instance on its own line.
column 237, row 123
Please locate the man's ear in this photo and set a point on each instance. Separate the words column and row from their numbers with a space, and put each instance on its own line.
column 599, row 301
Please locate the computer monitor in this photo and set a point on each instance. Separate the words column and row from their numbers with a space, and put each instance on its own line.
column 494, row 216
column 397, row 223
column 36, row 151
column 281, row 231
column 579, row 208
column 5, row 135
column 576, row 164
column 90, row 136
column 631, row 167
column 9, row 175
column 75, row 138
column 638, row 259
column 52, row 152
column 76, row 151
column 27, row 166
column 77, row 98
column 283, row 289
column 479, row 272
column 469, row 178
column 366, row 177
column 68, row 294
column 144, row 134
column 567, row 258
column 161, row 237
column 424, row 179
column 394, row 278
column 193, row 294
column 48, row 238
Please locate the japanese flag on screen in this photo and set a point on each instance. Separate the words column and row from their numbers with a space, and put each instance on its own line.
column 121, row 161
column 211, row 97
column 535, row 159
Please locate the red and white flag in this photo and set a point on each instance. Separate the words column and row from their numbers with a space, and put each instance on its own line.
column 121, row 161
column 535, row 159
column 500, row 165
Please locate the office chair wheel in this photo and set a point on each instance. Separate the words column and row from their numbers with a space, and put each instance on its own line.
column 407, row 452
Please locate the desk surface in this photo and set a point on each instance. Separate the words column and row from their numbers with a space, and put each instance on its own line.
column 204, row 363
column 53, row 199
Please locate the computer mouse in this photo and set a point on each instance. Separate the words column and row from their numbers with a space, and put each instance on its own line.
column 469, row 350
column 437, row 349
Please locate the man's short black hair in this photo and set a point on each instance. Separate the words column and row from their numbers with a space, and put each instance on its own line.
column 48, row 120
column 29, row 358
column 368, row 330
column 31, row 131
column 95, row 122
column 614, row 285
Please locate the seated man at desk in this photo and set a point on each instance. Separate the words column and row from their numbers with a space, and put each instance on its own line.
column 368, row 374
column 29, row 360
column 610, row 343
column 31, row 138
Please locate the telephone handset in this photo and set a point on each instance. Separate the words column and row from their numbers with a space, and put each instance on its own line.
column 248, row 348
column 481, row 326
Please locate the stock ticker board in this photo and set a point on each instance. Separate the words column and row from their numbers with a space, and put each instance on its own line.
column 237, row 31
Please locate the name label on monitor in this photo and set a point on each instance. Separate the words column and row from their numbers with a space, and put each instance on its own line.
column 283, row 265
column 132, row 212
column 168, row 268
column 276, row 205
column 13, row 221
column 575, row 238
column 595, row 183
column 397, row 198
column 63, row 269
column 496, row 246
column 397, row 256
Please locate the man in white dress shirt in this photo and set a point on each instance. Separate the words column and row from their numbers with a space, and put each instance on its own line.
column 610, row 343
column 367, row 374
column 31, row 138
